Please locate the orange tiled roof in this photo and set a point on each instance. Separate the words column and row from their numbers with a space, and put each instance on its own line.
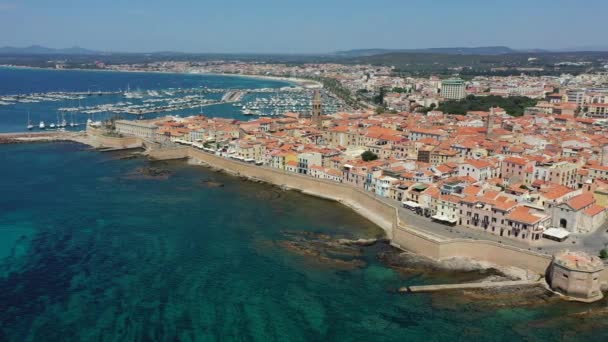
column 555, row 191
column 516, row 160
column 594, row 210
column 581, row 201
column 523, row 215
column 477, row 163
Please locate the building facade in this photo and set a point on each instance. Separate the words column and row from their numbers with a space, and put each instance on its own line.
column 453, row 89
column 140, row 129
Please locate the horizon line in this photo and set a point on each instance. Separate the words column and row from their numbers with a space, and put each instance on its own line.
column 515, row 50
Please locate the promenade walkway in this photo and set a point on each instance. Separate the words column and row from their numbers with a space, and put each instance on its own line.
column 590, row 243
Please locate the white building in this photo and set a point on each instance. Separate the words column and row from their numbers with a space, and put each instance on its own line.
column 453, row 89
column 140, row 129
column 480, row 170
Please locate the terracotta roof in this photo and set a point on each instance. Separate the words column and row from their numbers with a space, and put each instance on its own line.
column 516, row 160
column 556, row 191
column 334, row 172
column 504, row 205
column 479, row 164
column 444, row 168
column 594, row 210
column 471, row 190
column 523, row 215
column 581, row 201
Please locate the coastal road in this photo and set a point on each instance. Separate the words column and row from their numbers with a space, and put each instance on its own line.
column 591, row 243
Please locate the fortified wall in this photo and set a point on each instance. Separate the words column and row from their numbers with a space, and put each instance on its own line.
column 377, row 211
column 373, row 209
column 97, row 138
column 414, row 240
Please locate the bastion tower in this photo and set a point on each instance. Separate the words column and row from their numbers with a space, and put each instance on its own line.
column 317, row 109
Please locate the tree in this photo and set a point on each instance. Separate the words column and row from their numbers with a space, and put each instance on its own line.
column 604, row 254
column 368, row 156
column 379, row 99
column 513, row 105
column 400, row 90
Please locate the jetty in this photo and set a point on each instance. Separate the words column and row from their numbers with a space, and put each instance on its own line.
column 25, row 137
column 468, row 286
column 234, row 96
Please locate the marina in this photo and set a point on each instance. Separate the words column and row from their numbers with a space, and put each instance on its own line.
column 75, row 106
column 80, row 96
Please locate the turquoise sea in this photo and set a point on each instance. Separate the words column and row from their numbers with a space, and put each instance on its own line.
column 95, row 248
column 92, row 250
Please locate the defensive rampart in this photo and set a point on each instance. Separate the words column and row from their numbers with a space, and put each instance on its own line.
column 414, row 240
column 98, row 138
column 386, row 216
column 370, row 207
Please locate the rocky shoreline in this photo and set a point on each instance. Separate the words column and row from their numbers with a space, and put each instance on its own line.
column 150, row 172
column 348, row 253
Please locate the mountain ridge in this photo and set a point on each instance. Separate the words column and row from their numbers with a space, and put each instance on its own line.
column 482, row 50
column 42, row 50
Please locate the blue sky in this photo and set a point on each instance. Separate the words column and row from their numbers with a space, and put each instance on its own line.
column 309, row 26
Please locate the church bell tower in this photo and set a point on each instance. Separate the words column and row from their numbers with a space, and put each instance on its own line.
column 317, row 109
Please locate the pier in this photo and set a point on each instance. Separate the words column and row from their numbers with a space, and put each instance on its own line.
column 467, row 286
column 233, row 96
column 42, row 136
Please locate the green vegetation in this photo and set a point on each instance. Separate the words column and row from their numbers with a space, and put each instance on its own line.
column 379, row 99
column 401, row 90
column 421, row 64
column 514, row 105
column 425, row 109
column 604, row 254
column 368, row 156
column 336, row 88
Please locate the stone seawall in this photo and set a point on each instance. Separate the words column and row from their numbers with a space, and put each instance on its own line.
column 96, row 138
column 420, row 243
column 377, row 211
column 169, row 153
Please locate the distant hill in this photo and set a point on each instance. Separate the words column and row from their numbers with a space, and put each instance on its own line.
column 485, row 50
column 41, row 50
column 596, row 48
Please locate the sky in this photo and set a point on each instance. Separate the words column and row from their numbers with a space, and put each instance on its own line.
column 308, row 26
